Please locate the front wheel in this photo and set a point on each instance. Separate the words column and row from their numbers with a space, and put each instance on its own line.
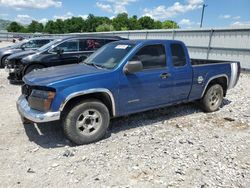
column 213, row 98
column 3, row 63
column 86, row 122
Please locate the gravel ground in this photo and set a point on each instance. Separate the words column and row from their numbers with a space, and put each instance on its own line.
column 4, row 43
column 177, row 146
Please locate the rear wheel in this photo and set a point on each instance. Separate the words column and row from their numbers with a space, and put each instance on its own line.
column 86, row 122
column 213, row 98
column 33, row 67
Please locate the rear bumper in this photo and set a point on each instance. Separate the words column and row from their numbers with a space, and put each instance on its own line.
column 35, row 115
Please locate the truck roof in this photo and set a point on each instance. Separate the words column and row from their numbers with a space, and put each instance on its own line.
column 93, row 37
column 143, row 41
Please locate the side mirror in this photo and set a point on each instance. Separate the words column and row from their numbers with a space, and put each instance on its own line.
column 59, row 51
column 132, row 67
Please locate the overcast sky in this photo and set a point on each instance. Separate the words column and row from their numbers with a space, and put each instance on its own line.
column 187, row 13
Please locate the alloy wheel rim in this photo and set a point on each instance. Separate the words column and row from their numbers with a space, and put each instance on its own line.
column 89, row 122
column 214, row 97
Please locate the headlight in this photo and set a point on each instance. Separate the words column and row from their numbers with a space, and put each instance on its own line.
column 41, row 100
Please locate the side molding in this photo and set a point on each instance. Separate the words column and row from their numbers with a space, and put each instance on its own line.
column 212, row 78
column 89, row 91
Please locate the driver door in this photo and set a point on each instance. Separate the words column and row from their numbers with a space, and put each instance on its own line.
column 148, row 88
column 69, row 53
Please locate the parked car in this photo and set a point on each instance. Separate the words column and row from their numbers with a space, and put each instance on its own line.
column 119, row 79
column 30, row 44
column 69, row 50
column 13, row 61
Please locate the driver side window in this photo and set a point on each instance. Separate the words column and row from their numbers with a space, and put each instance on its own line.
column 69, row 46
column 151, row 56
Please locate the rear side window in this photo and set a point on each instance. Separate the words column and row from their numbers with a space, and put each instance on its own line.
column 91, row 44
column 178, row 55
column 151, row 56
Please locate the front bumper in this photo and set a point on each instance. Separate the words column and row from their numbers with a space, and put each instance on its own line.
column 35, row 115
column 15, row 71
column 9, row 70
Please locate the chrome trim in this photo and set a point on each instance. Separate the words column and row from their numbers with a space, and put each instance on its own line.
column 35, row 115
column 214, row 77
column 89, row 91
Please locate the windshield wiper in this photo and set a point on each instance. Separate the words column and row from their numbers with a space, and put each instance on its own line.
column 98, row 66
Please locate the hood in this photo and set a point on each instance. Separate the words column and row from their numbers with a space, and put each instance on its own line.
column 9, row 50
column 20, row 55
column 53, row 75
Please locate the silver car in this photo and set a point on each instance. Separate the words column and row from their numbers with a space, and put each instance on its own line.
column 30, row 44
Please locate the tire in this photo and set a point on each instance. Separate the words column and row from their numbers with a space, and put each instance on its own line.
column 33, row 67
column 3, row 62
column 86, row 122
column 213, row 98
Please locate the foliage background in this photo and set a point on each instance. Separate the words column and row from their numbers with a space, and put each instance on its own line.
column 93, row 24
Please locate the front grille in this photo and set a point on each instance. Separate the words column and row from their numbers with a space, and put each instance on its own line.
column 26, row 90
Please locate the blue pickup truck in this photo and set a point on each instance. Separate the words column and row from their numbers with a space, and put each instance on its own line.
column 122, row 78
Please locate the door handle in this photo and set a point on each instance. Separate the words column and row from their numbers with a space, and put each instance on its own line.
column 165, row 75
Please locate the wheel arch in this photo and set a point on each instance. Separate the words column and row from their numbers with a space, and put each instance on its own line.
column 104, row 95
column 221, row 79
column 32, row 64
column 4, row 56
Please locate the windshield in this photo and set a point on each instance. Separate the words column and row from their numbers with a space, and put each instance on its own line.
column 48, row 45
column 109, row 56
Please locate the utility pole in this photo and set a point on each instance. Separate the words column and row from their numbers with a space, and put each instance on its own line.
column 202, row 14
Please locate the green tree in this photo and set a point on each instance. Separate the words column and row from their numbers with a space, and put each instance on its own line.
column 157, row 25
column 92, row 23
column 169, row 24
column 59, row 26
column 74, row 24
column 35, row 26
column 146, row 22
column 121, row 21
column 50, row 27
column 133, row 23
column 15, row 27
column 105, row 27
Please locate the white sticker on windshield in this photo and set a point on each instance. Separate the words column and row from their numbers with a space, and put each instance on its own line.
column 123, row 47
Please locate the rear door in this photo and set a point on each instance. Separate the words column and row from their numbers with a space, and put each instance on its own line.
column 151, row 86
column 181, row 71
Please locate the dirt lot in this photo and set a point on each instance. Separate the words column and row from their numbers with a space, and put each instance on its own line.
column 172, row 147
column 3, row 44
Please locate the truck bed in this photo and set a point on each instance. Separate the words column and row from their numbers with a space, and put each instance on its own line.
column 206, row 61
